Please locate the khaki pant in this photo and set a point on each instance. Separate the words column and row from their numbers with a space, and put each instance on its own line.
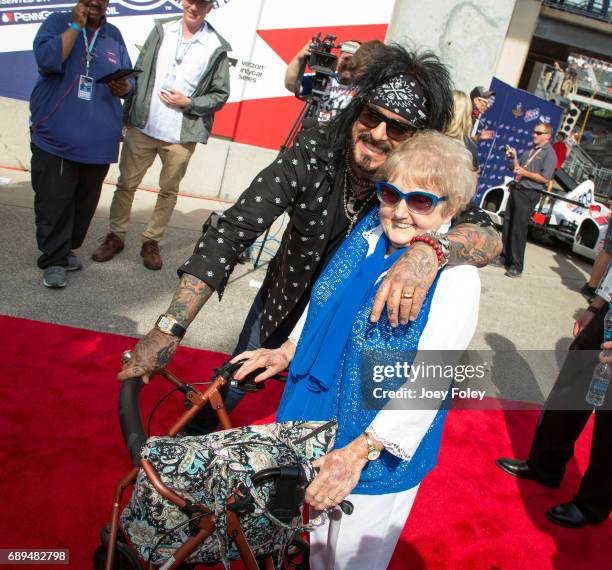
column 137, row 155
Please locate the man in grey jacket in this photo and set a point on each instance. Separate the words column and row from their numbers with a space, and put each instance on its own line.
column 184, row 81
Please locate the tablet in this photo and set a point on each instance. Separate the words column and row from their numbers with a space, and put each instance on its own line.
column 119, row 74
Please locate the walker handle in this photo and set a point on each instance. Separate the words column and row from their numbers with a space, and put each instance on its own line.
column 266, row 474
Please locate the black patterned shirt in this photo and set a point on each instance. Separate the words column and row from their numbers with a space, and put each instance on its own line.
column 307, row 181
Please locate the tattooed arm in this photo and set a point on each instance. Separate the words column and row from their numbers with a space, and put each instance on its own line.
column 473, row 245
column 415, row 271
column 156, row 348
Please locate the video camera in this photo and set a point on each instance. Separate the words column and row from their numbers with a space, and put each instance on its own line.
column 322, row 62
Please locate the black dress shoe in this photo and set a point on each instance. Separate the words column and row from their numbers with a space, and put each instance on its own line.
column 499, row 261
column 512, row 272
column 521, row 470
column 569, row 515
column 588, row 291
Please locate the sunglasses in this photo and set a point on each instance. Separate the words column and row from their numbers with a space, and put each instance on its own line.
column 540, row 133
column 418, row 202
column 371, row 118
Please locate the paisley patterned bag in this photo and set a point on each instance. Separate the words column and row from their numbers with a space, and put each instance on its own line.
column 205, row 470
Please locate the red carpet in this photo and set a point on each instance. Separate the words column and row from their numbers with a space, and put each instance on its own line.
column 62, row 455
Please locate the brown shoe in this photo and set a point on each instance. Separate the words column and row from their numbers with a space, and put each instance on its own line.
column 110, row 247
column 150, row 255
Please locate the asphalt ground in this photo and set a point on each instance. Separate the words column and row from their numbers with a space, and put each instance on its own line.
column 532, row 313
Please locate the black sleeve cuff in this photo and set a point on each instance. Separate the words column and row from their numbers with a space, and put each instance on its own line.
column 473, row 215
column 212, row 261
column 199, row 268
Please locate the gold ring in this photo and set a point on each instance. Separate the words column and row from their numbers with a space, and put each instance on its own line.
column 407, row 295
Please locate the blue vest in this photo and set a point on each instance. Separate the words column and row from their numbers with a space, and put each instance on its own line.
column 388, row 474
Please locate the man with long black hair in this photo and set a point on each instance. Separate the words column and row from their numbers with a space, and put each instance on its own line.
column 326, row 183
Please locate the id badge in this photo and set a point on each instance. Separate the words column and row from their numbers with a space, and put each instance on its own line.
column 168, row 83
column 86, row 85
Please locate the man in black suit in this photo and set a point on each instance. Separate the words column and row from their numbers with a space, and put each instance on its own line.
column 564, row 416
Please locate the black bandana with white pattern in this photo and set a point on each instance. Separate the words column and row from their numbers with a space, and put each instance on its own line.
column 404, row 96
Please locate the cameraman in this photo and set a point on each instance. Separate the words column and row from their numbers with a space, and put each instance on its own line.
column 340, row 88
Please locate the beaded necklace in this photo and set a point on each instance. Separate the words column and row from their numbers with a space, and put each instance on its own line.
column 362, row 182
column 352, row 214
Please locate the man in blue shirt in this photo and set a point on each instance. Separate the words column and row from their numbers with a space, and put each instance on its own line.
column 75, row 127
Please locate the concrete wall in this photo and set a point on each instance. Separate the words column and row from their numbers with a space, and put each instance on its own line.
column 219, row 169
column 14, row 134
column 516, row 45
column 467, row 35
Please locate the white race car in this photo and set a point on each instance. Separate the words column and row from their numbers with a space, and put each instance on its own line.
column 575, row 218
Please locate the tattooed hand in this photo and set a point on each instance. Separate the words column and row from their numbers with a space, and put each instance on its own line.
column 412, row 274
column 339, row 472
column 152, row 353
column 605, row 356
column 415, row 271
column 156, row 349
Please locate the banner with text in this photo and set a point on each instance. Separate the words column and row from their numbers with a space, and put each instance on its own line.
column 512, row 117
column 264, row 34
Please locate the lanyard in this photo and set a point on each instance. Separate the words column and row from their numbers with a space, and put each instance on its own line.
column 531, row 156
column 89, row 49
column 181, row 52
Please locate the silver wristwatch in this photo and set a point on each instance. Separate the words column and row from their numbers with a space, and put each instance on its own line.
column 373, row 452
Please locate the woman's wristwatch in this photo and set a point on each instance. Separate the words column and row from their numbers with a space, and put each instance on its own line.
column 373, row 452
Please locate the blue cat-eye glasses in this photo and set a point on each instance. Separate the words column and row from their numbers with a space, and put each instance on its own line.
column 418, row 202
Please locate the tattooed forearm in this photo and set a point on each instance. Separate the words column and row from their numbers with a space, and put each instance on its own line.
column 473, row 245
column 189, row 298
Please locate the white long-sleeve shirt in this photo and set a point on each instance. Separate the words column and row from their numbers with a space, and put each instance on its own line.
column 451, row 324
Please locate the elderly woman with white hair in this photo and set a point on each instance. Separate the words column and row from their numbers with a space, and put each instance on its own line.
column 380, row 456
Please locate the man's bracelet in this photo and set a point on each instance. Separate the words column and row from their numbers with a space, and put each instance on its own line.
column 592, row 309
column 75, row 26
column 440, row 244
column 431, row 242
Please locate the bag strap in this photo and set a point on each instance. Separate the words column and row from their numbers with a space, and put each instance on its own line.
column 315, row 431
